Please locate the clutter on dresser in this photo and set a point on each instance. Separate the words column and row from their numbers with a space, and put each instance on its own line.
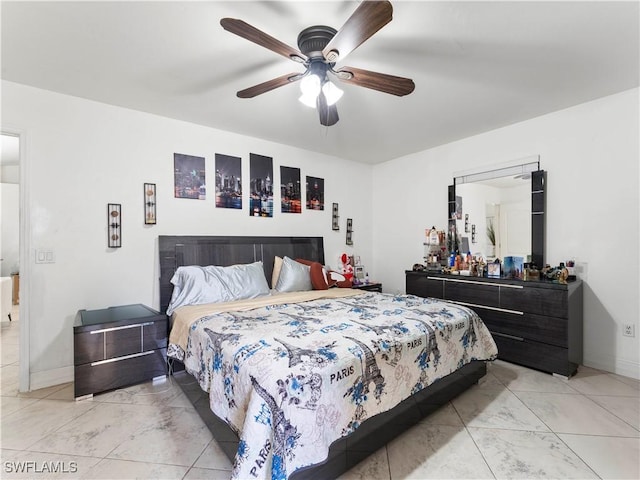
column 435, row 249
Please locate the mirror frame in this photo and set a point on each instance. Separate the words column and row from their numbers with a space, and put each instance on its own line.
column 538, row 209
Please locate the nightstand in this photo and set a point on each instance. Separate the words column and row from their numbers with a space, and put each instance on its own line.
column 118, row 346
column 369, row 287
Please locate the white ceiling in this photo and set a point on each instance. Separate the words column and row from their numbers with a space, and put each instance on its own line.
column 477, row 66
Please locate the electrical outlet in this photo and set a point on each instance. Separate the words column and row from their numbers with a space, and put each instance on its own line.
column 629, row 330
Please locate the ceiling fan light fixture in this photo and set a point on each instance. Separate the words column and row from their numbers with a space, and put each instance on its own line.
column 331, row 93
column 308, row 100
column 310, row 85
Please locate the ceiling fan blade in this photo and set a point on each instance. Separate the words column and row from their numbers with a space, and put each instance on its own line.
column 251, row 33
column 367, row 19
column 328, row 113
column 382, row 82
column 269, row 85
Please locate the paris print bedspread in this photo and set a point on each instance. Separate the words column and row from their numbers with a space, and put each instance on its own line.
column 291, row 379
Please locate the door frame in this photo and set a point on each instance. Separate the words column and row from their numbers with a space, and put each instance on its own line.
column 24, row 370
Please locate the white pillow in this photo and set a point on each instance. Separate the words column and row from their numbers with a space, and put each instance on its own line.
column 294, row 277
column 195, row 285
column 244, row 281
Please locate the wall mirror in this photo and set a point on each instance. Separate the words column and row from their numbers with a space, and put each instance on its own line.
column 500, row 212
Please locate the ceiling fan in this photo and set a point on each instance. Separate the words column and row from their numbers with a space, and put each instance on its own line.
column 320, row 47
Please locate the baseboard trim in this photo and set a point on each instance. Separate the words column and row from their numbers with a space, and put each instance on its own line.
column 49, row 378
column 615, row 365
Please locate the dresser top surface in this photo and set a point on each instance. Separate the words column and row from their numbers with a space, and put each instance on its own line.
column 119, row 314
column 572, row 284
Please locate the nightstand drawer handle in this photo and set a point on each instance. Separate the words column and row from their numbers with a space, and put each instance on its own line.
column 126, row 357
column 113, row 329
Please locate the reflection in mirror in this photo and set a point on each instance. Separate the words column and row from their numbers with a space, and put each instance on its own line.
column 500, row 209
column 497, row 204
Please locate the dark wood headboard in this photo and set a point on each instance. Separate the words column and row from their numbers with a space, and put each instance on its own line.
column 177, row 251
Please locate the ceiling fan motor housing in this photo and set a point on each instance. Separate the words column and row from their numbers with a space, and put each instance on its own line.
column 312, row 40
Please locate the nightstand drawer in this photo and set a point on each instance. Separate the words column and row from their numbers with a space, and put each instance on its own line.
column 118, row 346
column 117, row 341
column 135, row 338
column 119, row 372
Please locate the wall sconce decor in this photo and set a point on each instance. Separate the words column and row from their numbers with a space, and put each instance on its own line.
column 349, row 231
column 114, row 224
column 473, row 233
column 335, row 218
column 150, row 203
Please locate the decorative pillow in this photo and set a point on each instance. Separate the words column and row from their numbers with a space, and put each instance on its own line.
column 194, row 285
column 294, row 277
column 277, row 266
column 317, row 274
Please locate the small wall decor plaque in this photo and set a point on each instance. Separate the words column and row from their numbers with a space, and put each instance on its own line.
column 349, row 231
column 335, row 218
column 114, row 225
column 150, row 203
column 466, row 223
column 473, row 233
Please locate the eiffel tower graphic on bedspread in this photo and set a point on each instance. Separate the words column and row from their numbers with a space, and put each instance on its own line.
column 370, row 370
column 284, row 434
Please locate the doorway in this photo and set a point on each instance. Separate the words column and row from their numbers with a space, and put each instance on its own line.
column 15, row 331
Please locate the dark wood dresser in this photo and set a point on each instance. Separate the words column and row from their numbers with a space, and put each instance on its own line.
column 537, row 324
column 118, row 346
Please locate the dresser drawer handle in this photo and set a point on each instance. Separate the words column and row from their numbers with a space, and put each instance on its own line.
column 486, row 307
column 126, row 357
column 124, row 327
column 475, row 282
column 512, row 337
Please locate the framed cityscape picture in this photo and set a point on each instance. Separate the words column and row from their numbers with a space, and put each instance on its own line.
column 189, row 177
column 261, row 188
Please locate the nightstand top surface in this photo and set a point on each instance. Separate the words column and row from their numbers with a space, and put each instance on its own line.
column 114, row 314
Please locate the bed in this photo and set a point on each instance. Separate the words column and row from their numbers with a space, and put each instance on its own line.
column 307, row 384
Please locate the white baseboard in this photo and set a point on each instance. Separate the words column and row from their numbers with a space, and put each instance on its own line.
column 615, row 365
column 49, row 378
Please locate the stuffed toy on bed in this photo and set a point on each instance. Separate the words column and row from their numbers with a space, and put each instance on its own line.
column 322, row 278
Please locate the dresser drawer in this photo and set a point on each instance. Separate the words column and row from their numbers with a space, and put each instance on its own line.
column 528, row 326
column 423, row 286
column 119, row 372
column 541, row 301
column 470, row 292
column 541, row 356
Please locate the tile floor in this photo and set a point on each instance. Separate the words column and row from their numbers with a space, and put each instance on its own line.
column 516, row 423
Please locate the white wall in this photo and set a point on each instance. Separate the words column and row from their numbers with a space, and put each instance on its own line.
column 591, row 154
column 82, row 155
